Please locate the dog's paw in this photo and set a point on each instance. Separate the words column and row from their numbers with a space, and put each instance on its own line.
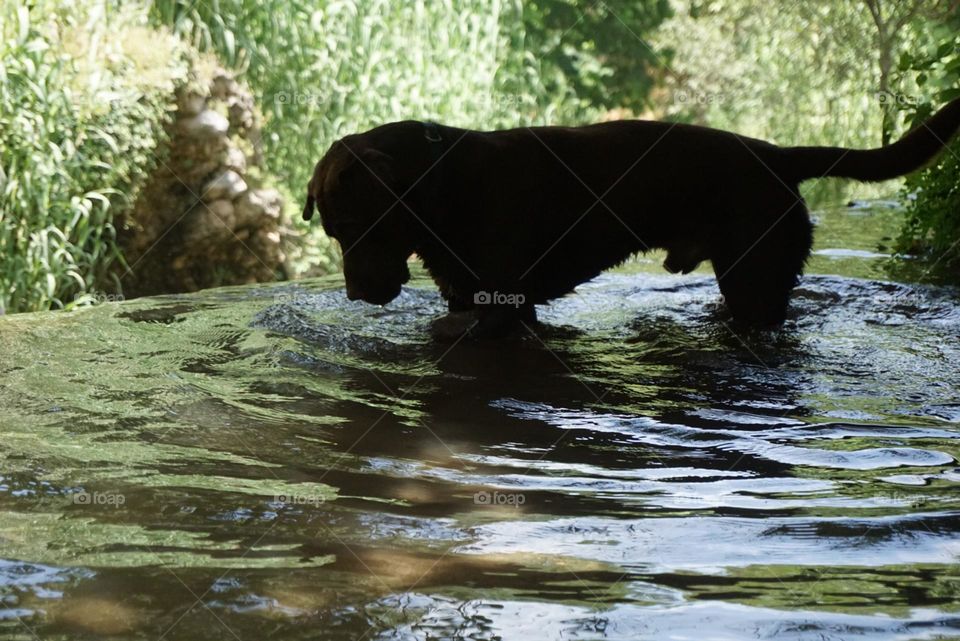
column 453, row 326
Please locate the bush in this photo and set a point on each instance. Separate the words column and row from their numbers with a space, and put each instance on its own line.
column 932, row 225
column 84, row 90
column 597, row 49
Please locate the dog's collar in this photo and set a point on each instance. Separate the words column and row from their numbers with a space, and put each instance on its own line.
column 431, row 131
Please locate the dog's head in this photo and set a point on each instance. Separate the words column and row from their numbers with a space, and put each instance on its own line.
column 355, row 187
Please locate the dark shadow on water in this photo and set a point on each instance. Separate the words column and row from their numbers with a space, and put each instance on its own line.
column 638, row 467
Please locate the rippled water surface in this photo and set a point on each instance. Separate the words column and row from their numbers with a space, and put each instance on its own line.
column 276, row 462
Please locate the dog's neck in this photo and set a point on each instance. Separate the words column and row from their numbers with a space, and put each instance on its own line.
column 428, row 196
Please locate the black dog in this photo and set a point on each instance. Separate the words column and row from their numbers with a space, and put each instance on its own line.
column 505, row 220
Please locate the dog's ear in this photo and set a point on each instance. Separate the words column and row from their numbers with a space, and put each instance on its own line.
column 371, row 167
column 309, row 207
column 366, row 172
column 312, row 187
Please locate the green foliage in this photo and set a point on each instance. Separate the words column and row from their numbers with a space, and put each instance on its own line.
column 932, row 226
column 79, row 118
column 598, row 49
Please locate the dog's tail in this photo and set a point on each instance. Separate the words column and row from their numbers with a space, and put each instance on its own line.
column 914, row 151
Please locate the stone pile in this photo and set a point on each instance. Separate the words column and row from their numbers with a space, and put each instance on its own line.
column 204, row 219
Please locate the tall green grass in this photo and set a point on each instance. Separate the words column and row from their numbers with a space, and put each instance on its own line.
column 325, row 69
column 84, row 88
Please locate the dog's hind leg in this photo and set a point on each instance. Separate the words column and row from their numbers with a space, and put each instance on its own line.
column 758, row 264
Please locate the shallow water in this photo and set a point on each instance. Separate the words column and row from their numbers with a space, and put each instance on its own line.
column 277, row 462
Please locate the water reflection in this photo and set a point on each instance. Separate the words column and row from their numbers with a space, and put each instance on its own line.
column 274, row 461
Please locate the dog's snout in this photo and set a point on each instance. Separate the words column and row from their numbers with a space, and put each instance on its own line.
column 353, row 293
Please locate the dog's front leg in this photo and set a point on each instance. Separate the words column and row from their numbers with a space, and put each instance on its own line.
column 480, row 323
column 499, row 321
column 456, row 304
